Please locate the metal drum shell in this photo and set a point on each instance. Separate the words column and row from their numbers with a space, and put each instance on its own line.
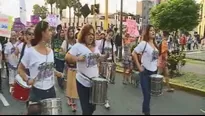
column 103, row 68
column 156, row 84
column 98, row 92
column 51, row 106
column 111, row 71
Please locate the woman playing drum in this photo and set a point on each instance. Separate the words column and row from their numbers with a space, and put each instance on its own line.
column 40, row 61
column 149, row 52
column 85, row 54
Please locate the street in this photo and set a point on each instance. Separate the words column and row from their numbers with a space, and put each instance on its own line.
column 124, row 100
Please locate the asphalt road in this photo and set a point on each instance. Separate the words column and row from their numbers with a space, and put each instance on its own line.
column 124, row 100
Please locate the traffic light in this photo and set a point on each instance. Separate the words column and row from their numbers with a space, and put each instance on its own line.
column 95, row 9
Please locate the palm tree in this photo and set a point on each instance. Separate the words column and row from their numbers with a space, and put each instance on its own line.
column 70, row 5
column 51, row 2
column 77, row 11
column 61, row 4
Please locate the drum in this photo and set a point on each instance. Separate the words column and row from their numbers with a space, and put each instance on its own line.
column 156, row 84
column 135, row 79
column 110, row 72
column 103, row 69
column 98, row 93
column 21, row 90
column 51, row 106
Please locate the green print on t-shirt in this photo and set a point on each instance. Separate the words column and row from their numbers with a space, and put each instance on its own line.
column 57, row 47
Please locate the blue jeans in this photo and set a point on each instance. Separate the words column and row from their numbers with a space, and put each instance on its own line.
column 145, row 82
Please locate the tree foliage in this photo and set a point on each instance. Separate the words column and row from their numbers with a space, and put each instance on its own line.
column 41, row 11
column 175, row 14
column 51, row 2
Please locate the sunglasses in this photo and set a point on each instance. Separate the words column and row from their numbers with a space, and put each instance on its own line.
column 30, row 33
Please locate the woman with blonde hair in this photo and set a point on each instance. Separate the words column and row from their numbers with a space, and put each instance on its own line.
column 71, row 89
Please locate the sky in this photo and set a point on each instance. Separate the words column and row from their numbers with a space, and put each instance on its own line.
column 11, row 7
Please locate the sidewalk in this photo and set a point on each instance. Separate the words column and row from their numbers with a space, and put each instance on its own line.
column 175, row 83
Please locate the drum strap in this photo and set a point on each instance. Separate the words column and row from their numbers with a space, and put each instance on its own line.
column 22, row 53
column 86, row 76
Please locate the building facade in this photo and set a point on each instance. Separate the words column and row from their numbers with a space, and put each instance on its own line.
column 201, row 26
column 142, row 9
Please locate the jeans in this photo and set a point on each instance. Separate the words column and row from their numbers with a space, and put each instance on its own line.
column 145, row 82
column 84, row 96
column 60, row 67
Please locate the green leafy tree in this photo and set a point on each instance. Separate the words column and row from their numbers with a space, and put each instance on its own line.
column 51, row 2
column 175, row 15
column 41, row 11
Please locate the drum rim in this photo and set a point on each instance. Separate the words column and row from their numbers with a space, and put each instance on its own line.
column 22, row 85
column 49, row 99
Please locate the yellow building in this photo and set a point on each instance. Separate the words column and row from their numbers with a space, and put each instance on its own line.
column 201, row 26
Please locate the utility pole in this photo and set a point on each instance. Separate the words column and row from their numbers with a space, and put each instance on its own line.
column 94, row 17
column 106, row 15
column 121, row 16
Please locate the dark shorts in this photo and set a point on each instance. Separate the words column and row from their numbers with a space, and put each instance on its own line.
column 37, row 95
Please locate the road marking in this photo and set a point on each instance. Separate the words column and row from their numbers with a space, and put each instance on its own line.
column 202, row 110
column 3, row 99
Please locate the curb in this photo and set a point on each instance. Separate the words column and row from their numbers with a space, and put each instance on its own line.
column 194, row 59
column 181, row 87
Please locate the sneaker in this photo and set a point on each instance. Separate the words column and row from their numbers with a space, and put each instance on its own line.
column 74, row 107
column 107, row 105
column 170, row 90
column 69, row 102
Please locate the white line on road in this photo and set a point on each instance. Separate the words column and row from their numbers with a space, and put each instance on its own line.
column 3, row 99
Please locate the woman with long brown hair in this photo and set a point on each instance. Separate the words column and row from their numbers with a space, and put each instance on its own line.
column 85, row 54
column 147, row 64
column 39, row 59
column 71, row 89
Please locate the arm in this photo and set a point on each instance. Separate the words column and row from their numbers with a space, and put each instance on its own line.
column 22, row 72
column 71, row 58
column 138, row 49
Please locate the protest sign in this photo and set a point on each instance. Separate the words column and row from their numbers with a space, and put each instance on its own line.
column 5, row 25
column 52, row 20
column 132, row 28
column 35, row 19
column 18, row 25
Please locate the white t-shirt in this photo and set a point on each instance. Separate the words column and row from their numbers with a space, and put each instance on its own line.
column 149, row 57
column 64, row 45
column 20, row 47
column 98, row 43
column 108, row 48
column 40, row 67
column 1, row 55
column 88, row 67
column 10, row 51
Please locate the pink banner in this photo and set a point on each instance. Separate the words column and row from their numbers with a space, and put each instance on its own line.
column 132, row 28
